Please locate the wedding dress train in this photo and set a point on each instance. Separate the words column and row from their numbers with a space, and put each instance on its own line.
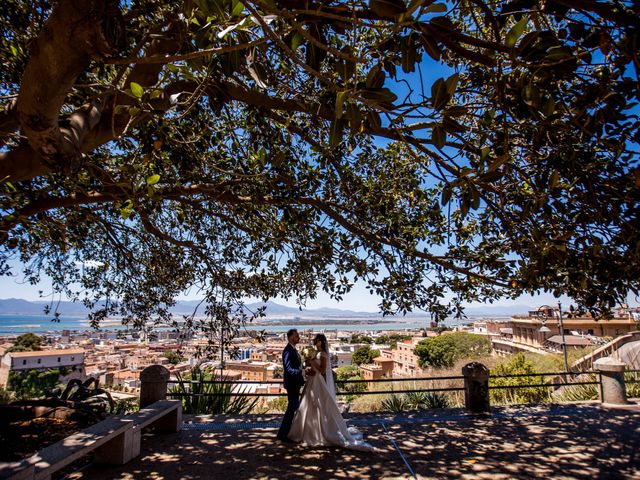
column 318, row 421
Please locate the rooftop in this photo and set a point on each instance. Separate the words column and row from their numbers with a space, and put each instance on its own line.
column 44, row 353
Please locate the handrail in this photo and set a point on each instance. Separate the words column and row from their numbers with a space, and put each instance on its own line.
column 277, row 382
column 388, row 392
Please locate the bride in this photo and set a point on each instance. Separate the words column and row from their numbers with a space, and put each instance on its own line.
column 318, row 421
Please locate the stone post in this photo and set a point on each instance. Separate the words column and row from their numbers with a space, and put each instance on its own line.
column 476, row 387
column 612, row 389
column 153, row 384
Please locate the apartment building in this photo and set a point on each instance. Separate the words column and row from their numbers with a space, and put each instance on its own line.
column 71, row 360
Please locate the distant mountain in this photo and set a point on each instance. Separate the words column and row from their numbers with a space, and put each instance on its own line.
column 17, row 306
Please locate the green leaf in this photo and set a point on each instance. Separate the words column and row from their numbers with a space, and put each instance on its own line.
column 436, row 8
column 296, row 40
column 133, row 111
column 153, row 179
column 259, row 74
column 236, row 8
column 136, row 89
column 375, row 77
column 431, row 46
column 452, row 83
column 558, row 53
column 446, row 194
column 382, row 95
column 548, row 107
column 340, row 98
column 438, row 136
column 514, row 34
column 439, row 94
column 531, row 95
column 388, row 8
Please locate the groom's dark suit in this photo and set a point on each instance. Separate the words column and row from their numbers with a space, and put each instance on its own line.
column 293, row 381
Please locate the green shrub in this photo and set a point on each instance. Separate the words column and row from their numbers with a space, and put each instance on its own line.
column 33, row 384
column 445, row 350
column 517, row 365
column 123, row 407
column 278, row 404
column 5, row 396
column 351, row 372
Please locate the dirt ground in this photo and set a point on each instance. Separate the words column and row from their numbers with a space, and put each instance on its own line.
column 550, row 441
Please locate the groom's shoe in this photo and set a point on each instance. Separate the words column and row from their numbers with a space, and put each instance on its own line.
column 285, row 439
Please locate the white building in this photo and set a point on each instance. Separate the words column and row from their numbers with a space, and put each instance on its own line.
column 72, row 360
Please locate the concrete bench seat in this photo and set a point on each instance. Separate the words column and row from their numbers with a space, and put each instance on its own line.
column 114, row 441
column 110, row 440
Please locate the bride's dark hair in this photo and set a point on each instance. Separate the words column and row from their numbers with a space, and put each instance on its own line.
column 323, row 341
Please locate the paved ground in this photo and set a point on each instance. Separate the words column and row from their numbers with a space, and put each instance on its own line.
column 560, row 442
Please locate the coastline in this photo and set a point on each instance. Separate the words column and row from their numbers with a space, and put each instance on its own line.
column 11, row 325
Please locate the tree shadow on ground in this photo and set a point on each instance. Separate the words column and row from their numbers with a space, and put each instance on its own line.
column 571, row 441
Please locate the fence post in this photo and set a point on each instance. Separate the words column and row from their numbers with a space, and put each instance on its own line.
column 612, row 388
column 153, row 384
column 476, row 387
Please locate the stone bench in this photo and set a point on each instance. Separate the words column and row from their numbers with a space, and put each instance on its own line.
column 114, row 441
column 164, row 416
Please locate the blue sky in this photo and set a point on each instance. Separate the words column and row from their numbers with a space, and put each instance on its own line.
column 358, row 299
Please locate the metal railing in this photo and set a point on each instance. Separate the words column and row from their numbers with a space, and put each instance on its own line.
column 342, row 383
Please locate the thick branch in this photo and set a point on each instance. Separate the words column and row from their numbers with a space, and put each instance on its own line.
column 76, row 32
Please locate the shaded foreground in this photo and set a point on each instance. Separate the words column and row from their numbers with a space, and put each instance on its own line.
column 551, row 441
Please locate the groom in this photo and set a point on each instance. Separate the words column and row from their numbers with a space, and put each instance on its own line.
column 293, row 380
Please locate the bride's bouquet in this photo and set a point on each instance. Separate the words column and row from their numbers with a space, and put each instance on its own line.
column 308, row 353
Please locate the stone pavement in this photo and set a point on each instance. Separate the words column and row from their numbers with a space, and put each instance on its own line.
column 574, row 441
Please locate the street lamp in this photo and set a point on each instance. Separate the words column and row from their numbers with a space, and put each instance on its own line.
column 545, row 329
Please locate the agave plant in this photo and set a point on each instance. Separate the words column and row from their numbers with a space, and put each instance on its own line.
column 201, row 397
column 579, row 393
column 395, row 403
column 633, row 388
column 427, row 400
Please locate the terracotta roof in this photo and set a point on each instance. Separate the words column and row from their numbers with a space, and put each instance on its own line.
column 44, row 353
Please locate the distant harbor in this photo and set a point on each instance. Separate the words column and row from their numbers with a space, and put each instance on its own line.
column 18, row 324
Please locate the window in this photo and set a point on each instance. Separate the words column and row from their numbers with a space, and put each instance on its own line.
column 24, row 362
column 59, row 359
column 73, row 358
column 39, row 360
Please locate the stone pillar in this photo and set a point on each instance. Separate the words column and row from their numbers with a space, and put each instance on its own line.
column 153, row 384
column 476, row 387
column 612, row 389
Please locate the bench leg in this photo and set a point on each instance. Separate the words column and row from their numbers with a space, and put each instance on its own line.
column 136, row 441
column 117, row 451
column 171, row 422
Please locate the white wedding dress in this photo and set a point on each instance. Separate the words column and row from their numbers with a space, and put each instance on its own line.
column 318, row 421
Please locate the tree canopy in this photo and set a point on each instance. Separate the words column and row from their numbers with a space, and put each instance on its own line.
column 365, row 355
column 27, row 342
column 469, row 149
column 445, row 350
